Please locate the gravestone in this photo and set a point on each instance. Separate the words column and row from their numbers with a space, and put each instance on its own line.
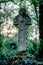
column 21, row 21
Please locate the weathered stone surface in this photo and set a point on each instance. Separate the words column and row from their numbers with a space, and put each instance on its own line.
column 21, row 20
column 21, row 38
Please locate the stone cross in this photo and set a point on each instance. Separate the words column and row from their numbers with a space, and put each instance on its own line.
column 21, row 22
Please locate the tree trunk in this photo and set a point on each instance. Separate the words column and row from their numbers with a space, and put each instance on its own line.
column 41, row 28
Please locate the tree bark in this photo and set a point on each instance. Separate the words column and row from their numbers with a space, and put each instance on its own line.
column 41, row 28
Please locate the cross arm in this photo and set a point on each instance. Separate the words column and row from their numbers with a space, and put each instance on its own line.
column 15, row 21
column 28, row 21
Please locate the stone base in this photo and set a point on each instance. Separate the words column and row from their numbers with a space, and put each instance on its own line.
column 24, row 59
column 22, row 53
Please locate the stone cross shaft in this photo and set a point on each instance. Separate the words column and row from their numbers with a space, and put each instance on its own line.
column 21, row 23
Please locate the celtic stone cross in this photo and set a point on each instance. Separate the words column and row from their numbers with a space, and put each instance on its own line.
column 21, row 20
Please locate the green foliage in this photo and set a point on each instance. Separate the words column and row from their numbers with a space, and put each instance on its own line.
column 35, row 2
column 9, row 46
column 1, row 39
column 33, row 47
column 1, row 22
column 5, row 1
